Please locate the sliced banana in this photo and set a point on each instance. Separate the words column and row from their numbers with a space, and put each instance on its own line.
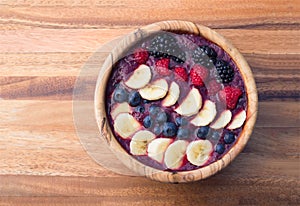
column 223, row 120
column 191, row 104
column 126, row 125
column 140, row 77
column 238, row 120
column 172, row 95
column 155, row 90
column 120, row 108
column 140, row 141
column 206, row 115
column 198, row 152
column 157, row 148
column 175, row 153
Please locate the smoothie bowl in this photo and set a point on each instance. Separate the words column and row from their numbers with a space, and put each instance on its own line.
column 175, row 101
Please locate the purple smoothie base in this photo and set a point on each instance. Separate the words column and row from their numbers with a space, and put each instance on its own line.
column 126, row 65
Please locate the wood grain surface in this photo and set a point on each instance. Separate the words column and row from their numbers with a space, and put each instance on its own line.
column 45, row 43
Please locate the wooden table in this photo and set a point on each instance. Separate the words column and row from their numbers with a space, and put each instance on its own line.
column 45, row 43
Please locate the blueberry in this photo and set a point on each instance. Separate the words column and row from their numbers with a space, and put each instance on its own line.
column 180, row 121
column 215, row 136
column 147, row 122
column 169, row 129
column 134, row 99
column 154, row 110
column 220, row 148
column 140, row 109
column 183, row 133
column 162, row 117
column 229, row 138
column 120, row 95
column 202, row 132
column 157, row 130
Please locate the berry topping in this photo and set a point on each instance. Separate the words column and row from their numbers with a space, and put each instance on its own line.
column 180, row 74
column 147, row 122
column 141, row 55
column 180, row 121
column 225, row 72
column 134, row 99
column 200, row 57
column 162, row 117
column 213, row 87
column 220, row 148
column 140, row 109
column 162, row 67
column 210, row 52
column 183, row 133
column 229, row 138
column 230, row 95
column 178, row 99
column 120, row 95
column 165, row 45
column 215, row 135
column 154, row 110
column 198, row 75
column 202, row 132
column 169, row 129
column 157, row 130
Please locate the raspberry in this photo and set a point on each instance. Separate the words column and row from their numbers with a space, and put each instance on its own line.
column 213, row 87
column 141, row 55
column 198, row 75
column 162, row 67
column 180, row 73
column 230, row 96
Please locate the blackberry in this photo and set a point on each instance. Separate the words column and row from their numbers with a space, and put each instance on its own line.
column 178, row 55
column 165, row 46
column 225, row 72
column 209, row 51
column 200, row 57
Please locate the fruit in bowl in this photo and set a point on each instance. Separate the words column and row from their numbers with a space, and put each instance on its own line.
column 176, row 101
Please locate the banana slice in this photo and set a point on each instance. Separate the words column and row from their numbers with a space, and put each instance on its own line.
column 206, row 114
column 157, row 148
column 191, row 104
column 126, row 125
column 120, row 108
column 222, row 121
column 140, row 77
column 140, row 141
column 238, row 120
column 155, row 90
column 175, row 153
column 199, row 151
column 172, row 95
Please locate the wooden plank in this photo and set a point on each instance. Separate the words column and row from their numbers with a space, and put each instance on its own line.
column 260, row 42
column 58, row 114
column 130, row 190
column 71, row 64
column 226, row 14
column 98, row 200
column 42, row 141
column 270, row 87
column 41, row 159
column 62, row 40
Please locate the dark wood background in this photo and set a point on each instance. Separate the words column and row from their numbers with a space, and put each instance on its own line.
column 45, row 43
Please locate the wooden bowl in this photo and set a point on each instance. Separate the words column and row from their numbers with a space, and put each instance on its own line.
column 128, row 160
